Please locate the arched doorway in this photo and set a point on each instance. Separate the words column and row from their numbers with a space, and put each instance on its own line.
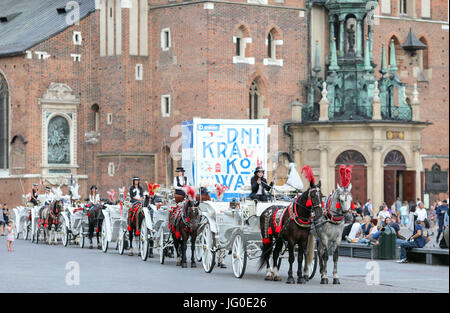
column 398, row 182
column 359, row 173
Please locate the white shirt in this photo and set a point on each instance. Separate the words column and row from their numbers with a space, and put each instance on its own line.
column 138, row 193
column 356, row 227
column 94, row 198
column 421, row 214
column 373, row 230
column 382, row 215
column 49, row 197
column 182, row 180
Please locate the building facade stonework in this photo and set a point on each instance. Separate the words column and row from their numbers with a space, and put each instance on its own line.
column 131, row 71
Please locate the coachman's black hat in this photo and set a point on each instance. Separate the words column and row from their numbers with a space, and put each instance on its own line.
column 180, row 169
column 259, row 169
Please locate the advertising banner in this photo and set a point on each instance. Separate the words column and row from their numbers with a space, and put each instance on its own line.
column 225, row 152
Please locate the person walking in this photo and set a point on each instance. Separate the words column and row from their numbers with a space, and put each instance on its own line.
column 421, row 214
column 404, row 213
column 2, row 223
column 368, row 209
column 440, row 212
column 10, row 237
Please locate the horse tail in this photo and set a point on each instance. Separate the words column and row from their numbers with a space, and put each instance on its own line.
column 310, row 249
column 265, row 255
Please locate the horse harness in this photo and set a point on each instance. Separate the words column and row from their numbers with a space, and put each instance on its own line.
column 179, row 212
column 278, row 216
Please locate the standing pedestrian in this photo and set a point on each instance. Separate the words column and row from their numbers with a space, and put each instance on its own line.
column 10, row 237
column 432, row 218
column 404, row 213
column 383, row 213
column 398, row 204
column 421, row 214
column 440, row 212
column 5, row 213
column 2, row 223
column 367, row 209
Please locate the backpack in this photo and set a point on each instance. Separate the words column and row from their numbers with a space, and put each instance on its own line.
column 366, row 210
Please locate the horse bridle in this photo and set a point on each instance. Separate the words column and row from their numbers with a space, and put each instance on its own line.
column 186, row 219
column 300, row 221
column 339, row 216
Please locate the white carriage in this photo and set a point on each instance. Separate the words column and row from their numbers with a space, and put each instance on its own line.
column 234, row 228
column 20, row 219
column 74, row 224
column 155, row 229
column 114, row 227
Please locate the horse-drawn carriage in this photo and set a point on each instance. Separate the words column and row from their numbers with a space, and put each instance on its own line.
column 74, row 224
column 234, row 228
column 114, row 228
column 154, row 228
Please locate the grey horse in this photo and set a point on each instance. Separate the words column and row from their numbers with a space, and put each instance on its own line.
column 329, row 228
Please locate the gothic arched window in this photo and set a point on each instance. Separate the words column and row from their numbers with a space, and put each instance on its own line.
column 254, row 99
column 4, row 123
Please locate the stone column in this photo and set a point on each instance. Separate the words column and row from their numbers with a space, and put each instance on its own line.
column 377, row 177
column 324, row 168
column 358, row 38
column 341, row 37
column 416, row 150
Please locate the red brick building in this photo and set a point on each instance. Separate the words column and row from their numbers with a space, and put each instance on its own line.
column 101, row 100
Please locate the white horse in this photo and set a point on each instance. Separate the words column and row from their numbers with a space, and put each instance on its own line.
column 337, row 211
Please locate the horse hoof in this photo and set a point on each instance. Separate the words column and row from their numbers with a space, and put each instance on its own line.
column 178, row 263
column 336, row 281
column 277, row 278
column 268, row 278
column 222, row 266
column 139, row 254
column 193, row 264
column 290, row 280
column 150, row 255
column 130, row 254
column 301, row 280
column 183, row 265
column 99, row 247
column 324, row 281
column 91, row 247
column 306, row 278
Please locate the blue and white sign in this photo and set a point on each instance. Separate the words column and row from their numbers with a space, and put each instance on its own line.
column 223, row 152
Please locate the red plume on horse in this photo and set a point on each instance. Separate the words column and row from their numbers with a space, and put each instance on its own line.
column 345, row 175
column 152, row 188
column 308, row 173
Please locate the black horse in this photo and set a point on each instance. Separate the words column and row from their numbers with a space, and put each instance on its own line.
column 95, row 219
column 135, row 217
column 292, row 225
column 184, row 224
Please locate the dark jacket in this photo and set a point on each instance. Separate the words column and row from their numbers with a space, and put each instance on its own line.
column 133, row 193
column 255, row 185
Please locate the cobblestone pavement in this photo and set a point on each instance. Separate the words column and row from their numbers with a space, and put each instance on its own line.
column 42, row 268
